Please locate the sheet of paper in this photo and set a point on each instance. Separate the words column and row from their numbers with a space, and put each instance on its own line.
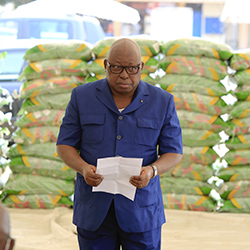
column 117, row 172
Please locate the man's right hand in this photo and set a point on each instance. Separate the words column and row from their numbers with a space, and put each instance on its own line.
column 90, row 176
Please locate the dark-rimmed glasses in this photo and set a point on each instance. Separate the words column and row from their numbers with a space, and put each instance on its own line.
column 117, row 69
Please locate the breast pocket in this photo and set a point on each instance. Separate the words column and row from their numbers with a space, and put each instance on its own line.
column 147, row 131
column 92, row 127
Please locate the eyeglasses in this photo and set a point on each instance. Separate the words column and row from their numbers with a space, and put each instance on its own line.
column 117, row 69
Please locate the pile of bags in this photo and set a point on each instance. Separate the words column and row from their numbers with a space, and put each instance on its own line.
column 236, row 175
column 40, row 179
column 194, row 73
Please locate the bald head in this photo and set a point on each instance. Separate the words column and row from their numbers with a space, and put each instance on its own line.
column 126, row 47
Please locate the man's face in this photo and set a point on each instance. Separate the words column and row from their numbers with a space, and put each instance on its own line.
column 123, row 83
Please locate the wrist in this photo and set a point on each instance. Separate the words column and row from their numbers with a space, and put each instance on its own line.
column 155, row 170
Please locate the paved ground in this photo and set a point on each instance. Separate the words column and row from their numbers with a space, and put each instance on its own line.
column 41, row 229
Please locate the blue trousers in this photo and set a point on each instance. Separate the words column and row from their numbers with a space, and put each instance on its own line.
column 109, row 236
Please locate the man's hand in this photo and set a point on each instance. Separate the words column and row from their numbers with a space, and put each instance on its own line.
column 143, row 179
column 90, row 176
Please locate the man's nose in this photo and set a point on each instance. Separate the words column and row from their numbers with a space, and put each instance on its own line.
column 124, row 73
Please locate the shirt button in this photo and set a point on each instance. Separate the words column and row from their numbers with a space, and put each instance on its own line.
column 118, row 137
column 120, row 117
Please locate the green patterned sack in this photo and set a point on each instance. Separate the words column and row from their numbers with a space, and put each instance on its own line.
column 238, row 157
column 236, row 205
column 47, row 101
column 242, row 92
column 239, row 142
column 240, row 61
column 236, row 189
column 35, row 184
column 199, row 138
column 242, row 77
column 43, row 167
column 184, row 186
column 201, row 155
column 195, row 120
column 211, row 105
column 54, row 67
column 235, row 173
column 44, row 150
column 33, row 135
column 192, row 171
column 189, row 202
column 240, row 109
column 148, row 47
column 196, row 47
column 66, row 50
column 196, row 84
column 35, row 201
column 52, row 117
column 239, row 126
column 54, row 85
column 190, row 65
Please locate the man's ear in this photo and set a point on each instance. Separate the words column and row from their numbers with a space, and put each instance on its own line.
column 142, row 65
column 105, row 63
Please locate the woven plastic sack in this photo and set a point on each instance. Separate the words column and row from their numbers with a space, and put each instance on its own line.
column 190, row 65
column 35, row 201
column 35, row 184
column 240, row 61
column 242, row 77
column 235, row 173
column 184, row 186
column 54, row 67
column 239, row 142
column 43, row 150
column 188, row 202
column 196, row 84
column 52, row 117
column 196, row 47
column 238, row 157
column 42, row 167
column 66, row 50
column 235, row 189
column 192, row 171
column 33, row 135
column 197, row 120
column 199, row 138
column 236, row 205
column 211, row 105
column 239, row 126
column 148, row 47
column 242, row 92
column 241, row 109
column 201, row 155
column 47, row 101
column 54, row 85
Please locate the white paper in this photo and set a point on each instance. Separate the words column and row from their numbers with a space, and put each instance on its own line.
column 117, row 172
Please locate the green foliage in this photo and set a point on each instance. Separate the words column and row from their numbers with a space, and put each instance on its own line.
column 16, row 2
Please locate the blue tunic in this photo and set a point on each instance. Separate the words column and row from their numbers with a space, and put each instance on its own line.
column 93, row 125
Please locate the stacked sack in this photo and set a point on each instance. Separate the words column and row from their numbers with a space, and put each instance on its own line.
column 40, row 179
column 149, row 51
column 194, row 73
column 237, row 174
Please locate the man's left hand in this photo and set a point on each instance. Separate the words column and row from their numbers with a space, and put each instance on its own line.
column 143, row 179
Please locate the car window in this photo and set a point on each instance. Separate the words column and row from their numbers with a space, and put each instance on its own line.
column 12, row 63
column 94, row 32
column 8, row 30
column 50, row 29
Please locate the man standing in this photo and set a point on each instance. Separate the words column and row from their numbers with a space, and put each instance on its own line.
column 120, row 116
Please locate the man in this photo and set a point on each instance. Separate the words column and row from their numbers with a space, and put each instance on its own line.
column 6, row 243
column 120, row 116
